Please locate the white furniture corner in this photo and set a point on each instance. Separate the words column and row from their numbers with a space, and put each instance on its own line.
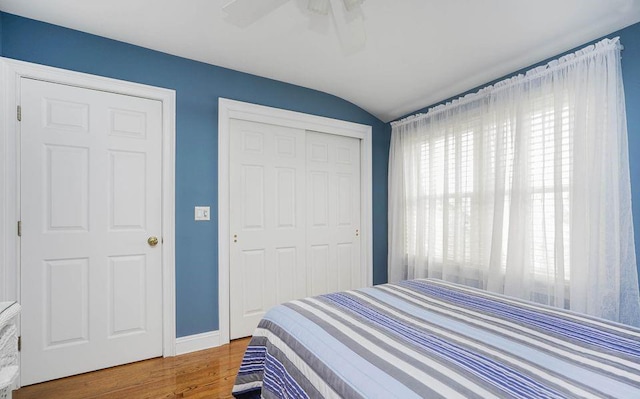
column 9, row 364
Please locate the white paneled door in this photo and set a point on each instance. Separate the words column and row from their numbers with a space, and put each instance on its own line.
column 267, row 221
column 90, row 206
column 294, row 218
column 333, row 213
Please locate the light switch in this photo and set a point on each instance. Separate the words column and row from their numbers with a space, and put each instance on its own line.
column 202, row 213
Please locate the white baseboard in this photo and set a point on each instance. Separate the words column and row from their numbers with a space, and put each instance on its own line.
column 197, row 342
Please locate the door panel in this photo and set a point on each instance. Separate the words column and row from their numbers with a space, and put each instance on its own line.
column 127, row 190
column 253, row 199
column 318, row 256
column 333, row 198
column 67, row 298
column 285, row 198
column 267, row 221
column 90, row 190
column 127, row 294
column 286, row 265
column 344, row 255
column 66, row 210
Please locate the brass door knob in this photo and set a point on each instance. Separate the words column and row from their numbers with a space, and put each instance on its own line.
column 153, row 241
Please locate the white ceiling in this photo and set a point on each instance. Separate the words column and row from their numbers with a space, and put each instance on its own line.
column 418, row 52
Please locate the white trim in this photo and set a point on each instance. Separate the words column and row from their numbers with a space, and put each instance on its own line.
column 12, row 72
column 7, row 289
column 197, row 342
column 231, row 109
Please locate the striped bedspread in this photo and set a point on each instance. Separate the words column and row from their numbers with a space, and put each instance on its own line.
column 432, row 339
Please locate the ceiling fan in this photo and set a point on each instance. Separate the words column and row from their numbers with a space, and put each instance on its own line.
column 346, row 15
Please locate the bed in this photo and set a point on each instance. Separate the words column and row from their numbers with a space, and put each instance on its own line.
column 430, row 339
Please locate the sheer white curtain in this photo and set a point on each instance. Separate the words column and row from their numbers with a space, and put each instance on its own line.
column 523, row 188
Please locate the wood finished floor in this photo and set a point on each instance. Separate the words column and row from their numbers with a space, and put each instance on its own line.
column 204, row 374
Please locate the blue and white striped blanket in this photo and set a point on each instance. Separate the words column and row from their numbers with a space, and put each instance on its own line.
column 432, row 339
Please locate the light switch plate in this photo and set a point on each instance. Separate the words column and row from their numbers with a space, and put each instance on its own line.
column 202, row 213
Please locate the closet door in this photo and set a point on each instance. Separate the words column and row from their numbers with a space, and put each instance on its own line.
column 294, row 218
column 333, row 213
column 267, row 221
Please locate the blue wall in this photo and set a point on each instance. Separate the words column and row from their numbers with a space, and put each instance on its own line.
column 630, row 39
column 197, row 87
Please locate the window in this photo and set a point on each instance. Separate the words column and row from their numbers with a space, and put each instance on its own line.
column 446, row 184
column 522, row 188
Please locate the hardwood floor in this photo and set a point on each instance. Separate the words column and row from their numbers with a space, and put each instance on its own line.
column 205, row 374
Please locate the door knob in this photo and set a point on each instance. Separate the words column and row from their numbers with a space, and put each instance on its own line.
column 153, row 241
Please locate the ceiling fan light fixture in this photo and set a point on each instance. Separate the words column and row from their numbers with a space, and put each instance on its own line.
column 319, row 6
column 351, row 4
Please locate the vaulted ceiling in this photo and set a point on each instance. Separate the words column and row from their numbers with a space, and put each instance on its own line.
column 417, row 52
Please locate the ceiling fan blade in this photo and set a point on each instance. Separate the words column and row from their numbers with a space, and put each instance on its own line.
column 243, row 13
column 320, row 7
column 349, row 25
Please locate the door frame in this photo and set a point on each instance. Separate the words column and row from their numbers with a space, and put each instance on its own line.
column 11, row 73
column 232, row 109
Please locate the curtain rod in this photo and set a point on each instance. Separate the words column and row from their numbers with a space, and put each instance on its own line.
column 536, row 72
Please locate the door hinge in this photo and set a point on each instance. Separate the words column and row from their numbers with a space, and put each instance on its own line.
column 19, row 113
column 19, row 343
column 19, row 228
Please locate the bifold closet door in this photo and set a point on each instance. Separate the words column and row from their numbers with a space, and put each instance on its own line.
column 294, row 218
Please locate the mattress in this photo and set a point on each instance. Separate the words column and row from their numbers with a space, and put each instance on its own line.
column 433, row 339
